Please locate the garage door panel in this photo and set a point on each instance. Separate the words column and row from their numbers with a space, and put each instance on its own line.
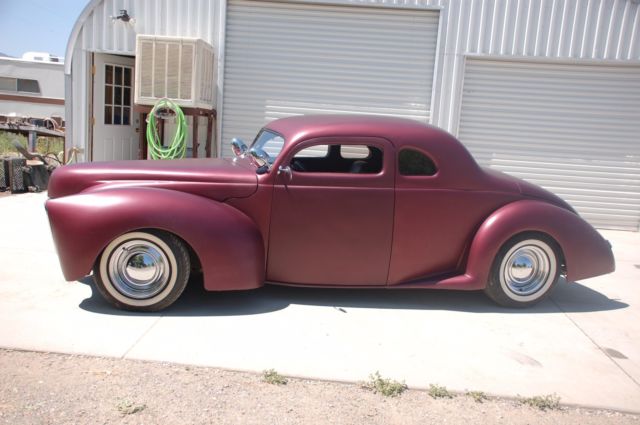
column 572, row 128
column 286, row 59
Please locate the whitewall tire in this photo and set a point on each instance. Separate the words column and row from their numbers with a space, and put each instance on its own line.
column 143, row 270
column 525, row 270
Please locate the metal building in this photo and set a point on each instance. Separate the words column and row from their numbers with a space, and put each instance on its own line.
column 547, row 90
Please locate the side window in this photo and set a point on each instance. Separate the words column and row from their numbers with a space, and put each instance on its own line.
column 355, row 151
column 19, row 85
column 414, row 163
column 319, row 151
column 354, row 159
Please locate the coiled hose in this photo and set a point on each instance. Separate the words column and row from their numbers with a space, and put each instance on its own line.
column 178, row 146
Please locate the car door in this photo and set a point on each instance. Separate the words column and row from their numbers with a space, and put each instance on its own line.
column 332, row 213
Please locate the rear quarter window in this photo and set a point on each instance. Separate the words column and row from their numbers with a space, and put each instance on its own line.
column 412, row 162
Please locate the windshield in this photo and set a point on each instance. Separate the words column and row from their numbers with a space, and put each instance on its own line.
column 269, row 142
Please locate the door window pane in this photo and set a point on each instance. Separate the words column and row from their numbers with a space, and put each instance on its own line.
column 108, row 95
column 117, row 93
column 339, row 159
column 118, row 75
column 117, row 115
column 117, row 97
column 354, row 151
column 319, row 151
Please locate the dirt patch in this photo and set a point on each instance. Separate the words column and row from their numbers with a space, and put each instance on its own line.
column 44, row 388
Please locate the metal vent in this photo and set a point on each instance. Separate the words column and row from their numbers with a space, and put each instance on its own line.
column 180, row 69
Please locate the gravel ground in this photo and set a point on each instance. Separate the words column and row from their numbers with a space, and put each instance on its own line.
column 45, row 388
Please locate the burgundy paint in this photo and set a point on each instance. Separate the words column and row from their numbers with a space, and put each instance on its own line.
column 441, row 231
column 333, row 228
column 84, row 224
column 213, row 178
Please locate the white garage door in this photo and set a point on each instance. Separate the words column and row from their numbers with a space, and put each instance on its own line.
column 284, row 59
column 571, row 128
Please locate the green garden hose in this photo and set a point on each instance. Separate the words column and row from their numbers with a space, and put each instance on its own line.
column 178, row 146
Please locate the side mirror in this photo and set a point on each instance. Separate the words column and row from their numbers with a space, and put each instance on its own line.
column 239, row 147
column 260, row 158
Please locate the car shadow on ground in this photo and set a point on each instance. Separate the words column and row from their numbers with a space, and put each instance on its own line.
column 195, row 301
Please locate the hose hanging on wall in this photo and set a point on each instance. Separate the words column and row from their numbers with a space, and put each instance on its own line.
column 178, row 146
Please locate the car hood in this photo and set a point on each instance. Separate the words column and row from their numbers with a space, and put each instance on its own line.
column 216, row 178
column 527, row 189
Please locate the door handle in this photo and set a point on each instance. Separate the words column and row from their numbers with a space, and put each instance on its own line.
column 285, row 169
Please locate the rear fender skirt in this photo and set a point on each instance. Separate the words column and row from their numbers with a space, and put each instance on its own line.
column 227, row 243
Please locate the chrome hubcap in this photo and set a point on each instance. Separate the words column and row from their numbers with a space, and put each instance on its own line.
column 139, row 269
column 527, row 270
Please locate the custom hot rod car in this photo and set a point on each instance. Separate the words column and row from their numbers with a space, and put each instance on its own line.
column 335, row 201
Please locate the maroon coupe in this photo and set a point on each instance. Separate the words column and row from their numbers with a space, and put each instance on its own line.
column 335, row 201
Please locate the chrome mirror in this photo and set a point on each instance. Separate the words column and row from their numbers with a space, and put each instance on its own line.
column 260, row 158
column 239, row 147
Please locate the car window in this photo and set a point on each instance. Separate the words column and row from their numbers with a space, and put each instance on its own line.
column 354, row 159
column 354, row 151
column 412, row 162
column 272, row 143
column 319, row 151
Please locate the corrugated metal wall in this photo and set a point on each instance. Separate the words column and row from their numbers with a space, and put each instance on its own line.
column 552, row 31
column 180, row 18
column 571, row 128
column 287, row 59
column 560, row 29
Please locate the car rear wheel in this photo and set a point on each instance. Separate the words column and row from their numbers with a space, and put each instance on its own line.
column 143, row 270
column 524, row 271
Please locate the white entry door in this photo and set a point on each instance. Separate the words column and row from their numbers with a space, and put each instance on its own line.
column 114, row 130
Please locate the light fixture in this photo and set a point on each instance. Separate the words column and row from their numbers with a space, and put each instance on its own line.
column 123, row 16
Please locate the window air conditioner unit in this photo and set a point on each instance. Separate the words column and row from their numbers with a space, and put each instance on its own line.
column 177, row 68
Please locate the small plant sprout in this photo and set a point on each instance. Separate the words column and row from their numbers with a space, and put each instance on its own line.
column 544, row 402
column 128, row 407
column 477, row 396
column 386, row 387
column 438, row 391
column 270, row 376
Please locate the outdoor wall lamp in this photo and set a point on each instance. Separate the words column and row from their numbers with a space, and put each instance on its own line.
column 123, row 16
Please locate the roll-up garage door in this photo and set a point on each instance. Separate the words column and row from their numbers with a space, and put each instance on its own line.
column 571, row 128
column 284, row 59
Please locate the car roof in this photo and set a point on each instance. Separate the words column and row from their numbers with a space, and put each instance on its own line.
column 457, row 168
column 396, row 130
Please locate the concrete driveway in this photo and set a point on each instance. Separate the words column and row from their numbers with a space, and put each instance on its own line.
column 582, row 344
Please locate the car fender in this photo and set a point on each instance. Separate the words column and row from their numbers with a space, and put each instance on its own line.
column 227, row 243
column 585, row 252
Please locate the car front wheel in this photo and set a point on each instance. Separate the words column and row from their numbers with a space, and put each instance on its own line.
column 524, row 271
column 143, row 270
